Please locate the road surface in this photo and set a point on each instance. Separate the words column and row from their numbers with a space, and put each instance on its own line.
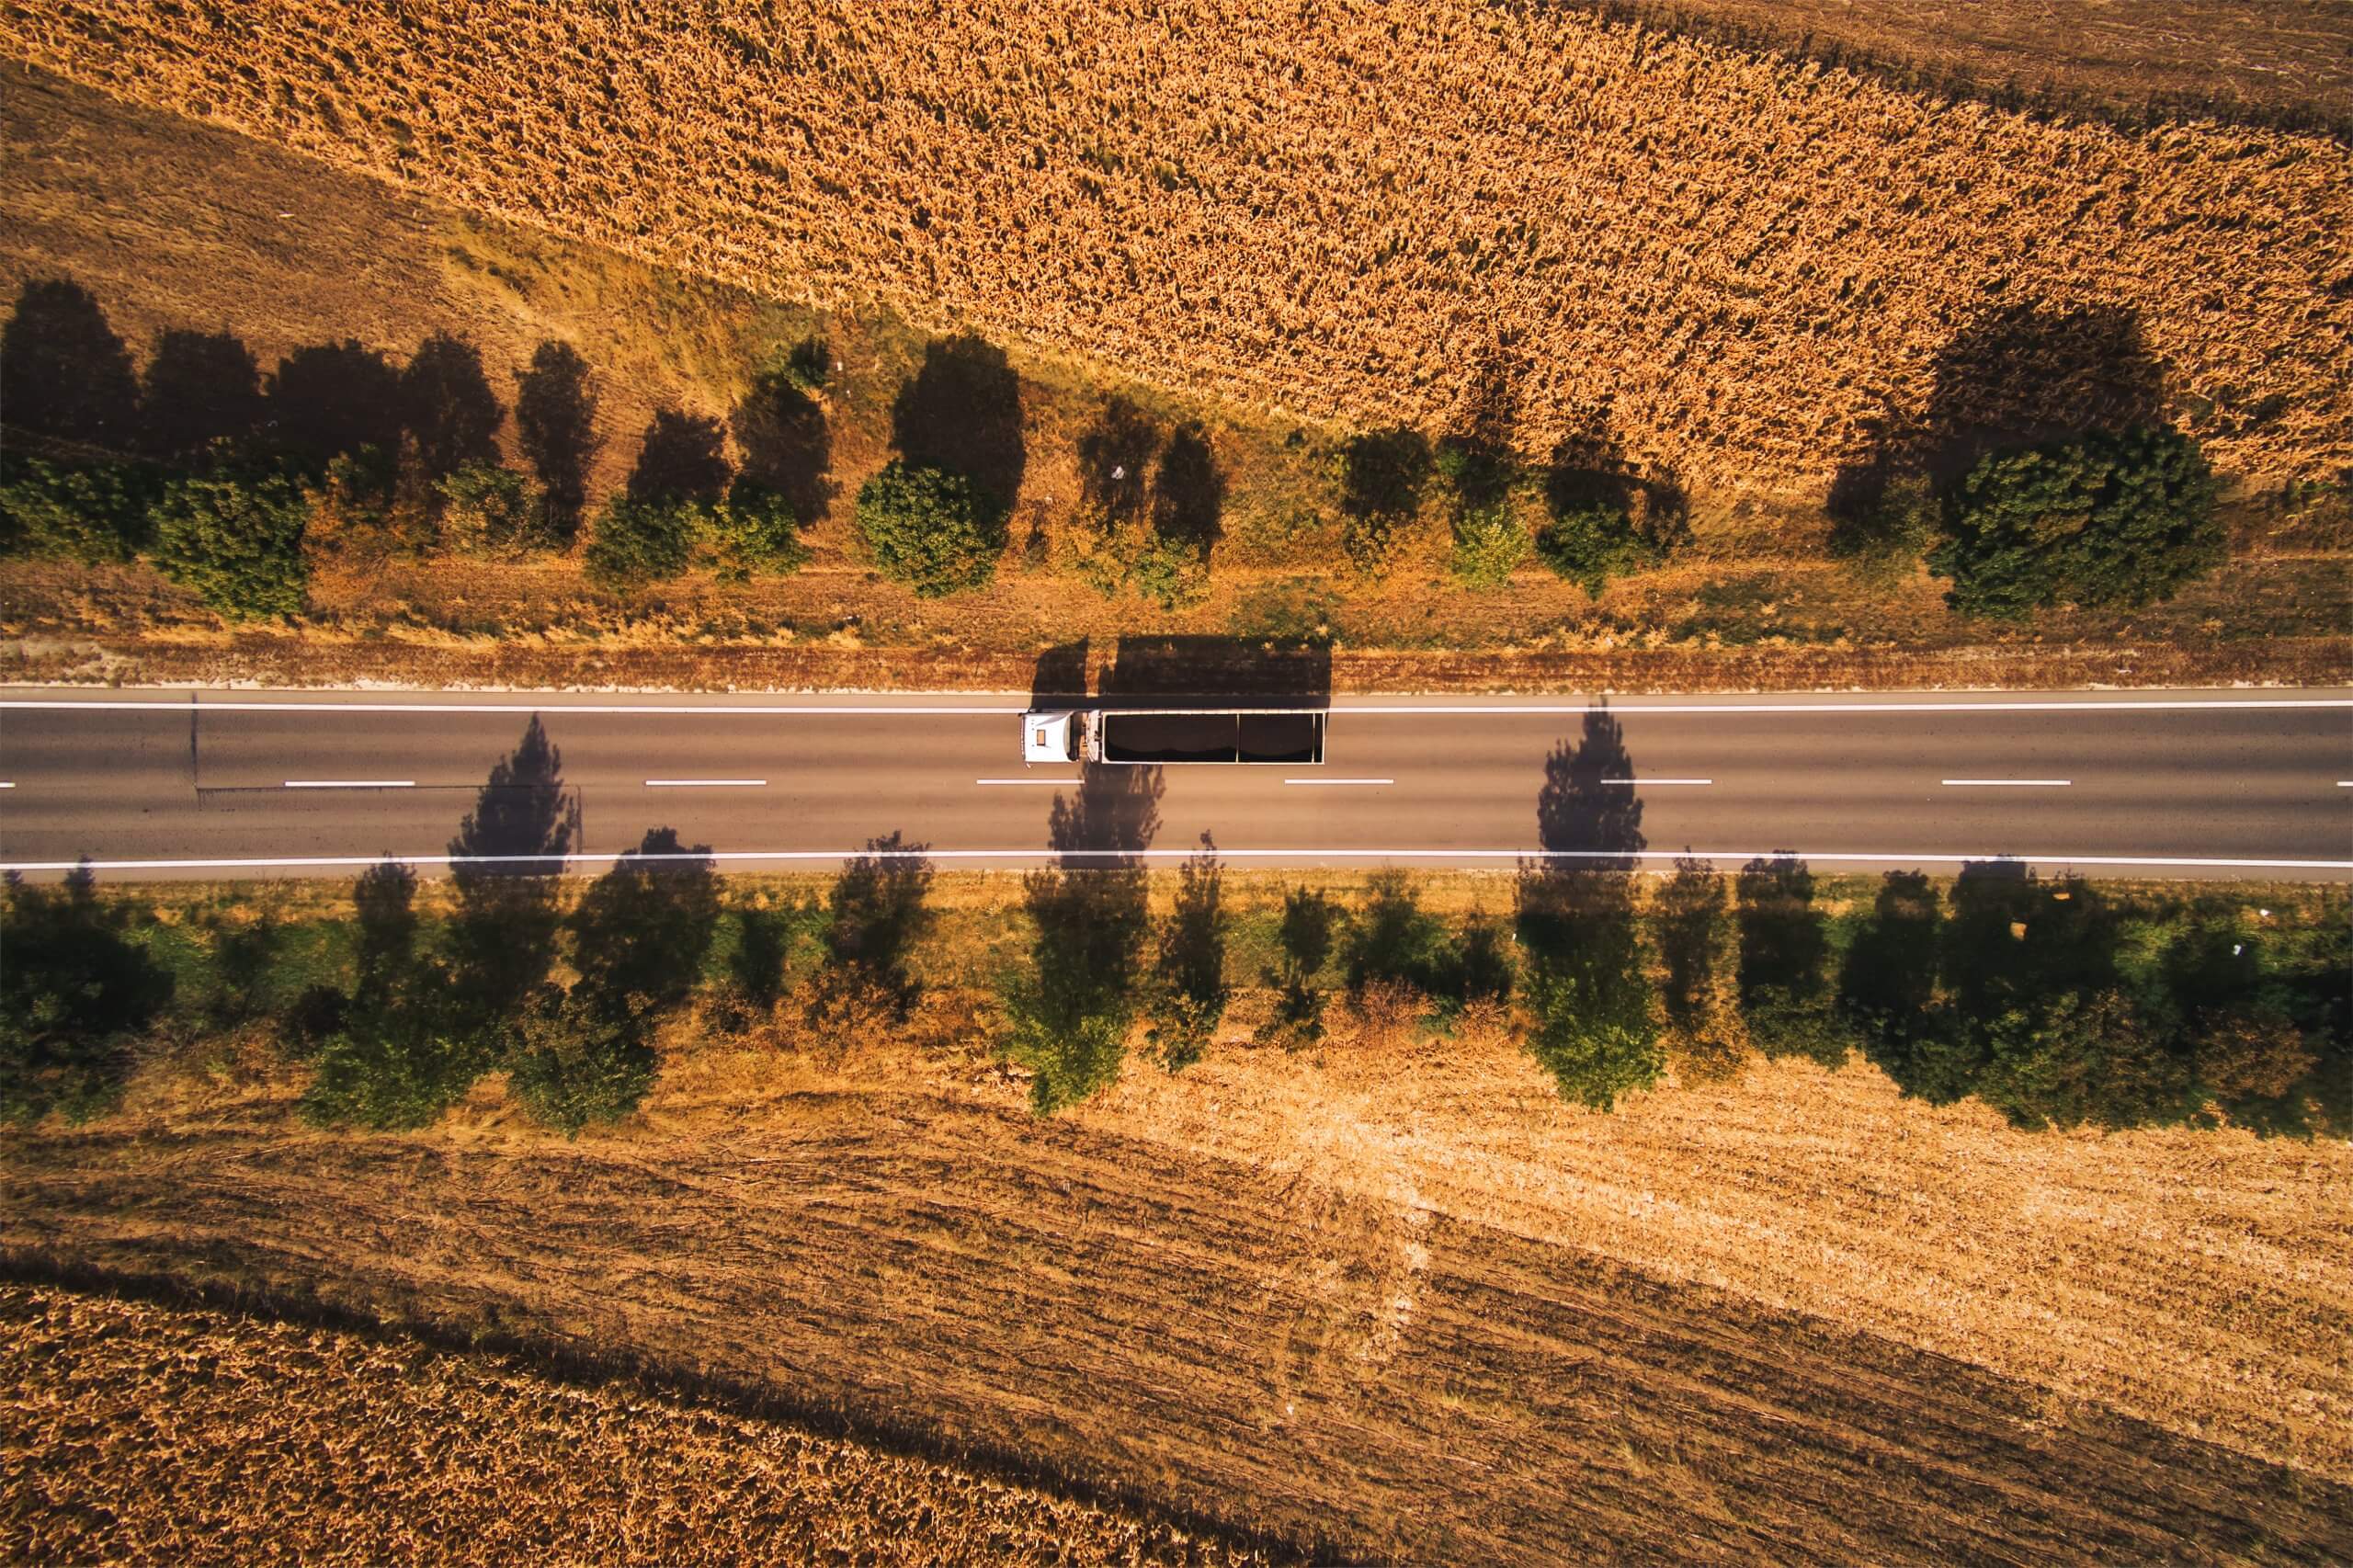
column 219, row 784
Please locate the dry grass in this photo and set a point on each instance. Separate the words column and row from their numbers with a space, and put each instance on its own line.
column 1390, row 1294
column 136, row 1433
column 1747, row 262
column 178, row 225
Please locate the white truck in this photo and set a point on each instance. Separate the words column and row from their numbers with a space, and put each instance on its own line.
column 1292, row 736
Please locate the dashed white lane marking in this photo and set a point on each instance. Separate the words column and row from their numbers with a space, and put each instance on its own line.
column 1658, row 782
column 2006, row 783
column 706, row 783
column 1339, row 781
column 1074, row 783
column 6, row 786
column 1606, row 857
column 351, row 784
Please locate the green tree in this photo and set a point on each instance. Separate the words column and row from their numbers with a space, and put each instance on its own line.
column 1887, row 993
column 927, row 529
column 1590, row 542
column 576, row 1059
column 2103, row 519
column 1304, row 939
column 487, row 509
column 400, row 1052
column 754, row 532
column 1489, row 543
column 235, row 537
column 1189, row 989
column 1587, row 994
column 1382, row 474
column 91, row 513
column 642, row 540
column 75, row 995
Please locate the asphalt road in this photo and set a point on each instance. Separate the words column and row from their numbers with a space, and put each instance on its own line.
column 228, row 783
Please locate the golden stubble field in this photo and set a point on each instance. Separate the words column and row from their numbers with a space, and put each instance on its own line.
column 131, row 1432
column 1735, row 267
column 1395, row 1298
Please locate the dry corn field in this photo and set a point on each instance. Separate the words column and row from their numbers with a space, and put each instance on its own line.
column 131, row 1432
column 1392, row 1298
column 1738, row 265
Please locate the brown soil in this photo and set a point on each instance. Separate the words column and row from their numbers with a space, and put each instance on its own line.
column 1405, row 1304
column 140, row 1432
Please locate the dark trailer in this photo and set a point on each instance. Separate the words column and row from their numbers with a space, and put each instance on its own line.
column 1286, row 735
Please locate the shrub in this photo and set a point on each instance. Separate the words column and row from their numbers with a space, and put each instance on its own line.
column 641, row 539
column 1488, row 544
column 927, row 529
column 488, row 510
column 90, row 513
column 1592, row 542
column 1189, row 987
column 74, row 991
column 753, row 530
column 574, row 1059
column 350, row 506
column 236, row 538
column 2104, row 519
column 1382, row 474
column 1586, row 988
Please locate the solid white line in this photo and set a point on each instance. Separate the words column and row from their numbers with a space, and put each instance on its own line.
column 558, row 862
column 2007, row 783
column 528, row 705
column 706, row 783
column 1057, row 782
column 1658, row 782
column 1339, row 781
column 351, row 784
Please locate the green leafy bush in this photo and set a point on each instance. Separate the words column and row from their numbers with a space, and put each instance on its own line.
column 1592, row 542
column 74, row 991
column 90, row 513
column 642, row 540
column 235, row 537
column 489, row 510
column 574, row 1059
column 1488, row 544
column 928, row 530
column 753, row 531
column 2104, row 519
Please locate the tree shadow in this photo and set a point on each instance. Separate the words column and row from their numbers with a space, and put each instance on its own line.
column 329, row 400
column 2018, row 375
column 555, row 424
column 448, row 408
column 879, row 912
column 1115, row 456
column 1784, row 954
column 961, row 412
column 1588, row 473
column 1689, row 922
column 1058, row 678
column 642, row 929
column 784, row 444
column 1188, row 492
column 1382, row 474
column 64, row 371
column 682, row 457
column 1151, row 670
column 1189, row 971
column 1587, row 807
column 1476, row 452
column 505, row 861
column 200, row 387
column 75, row 990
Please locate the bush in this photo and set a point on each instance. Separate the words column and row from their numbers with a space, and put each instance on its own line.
column 574, row 1059
column 91, row 513
column 753, row 530
column 489, row 510
column 641, row 539
column 74, row 991
column 236, row 538
column 2104, row 519
column 1488, row 544
column 1590, row 544
column 927, row 529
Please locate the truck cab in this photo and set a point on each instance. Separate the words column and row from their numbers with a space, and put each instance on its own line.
column 1051, row 736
